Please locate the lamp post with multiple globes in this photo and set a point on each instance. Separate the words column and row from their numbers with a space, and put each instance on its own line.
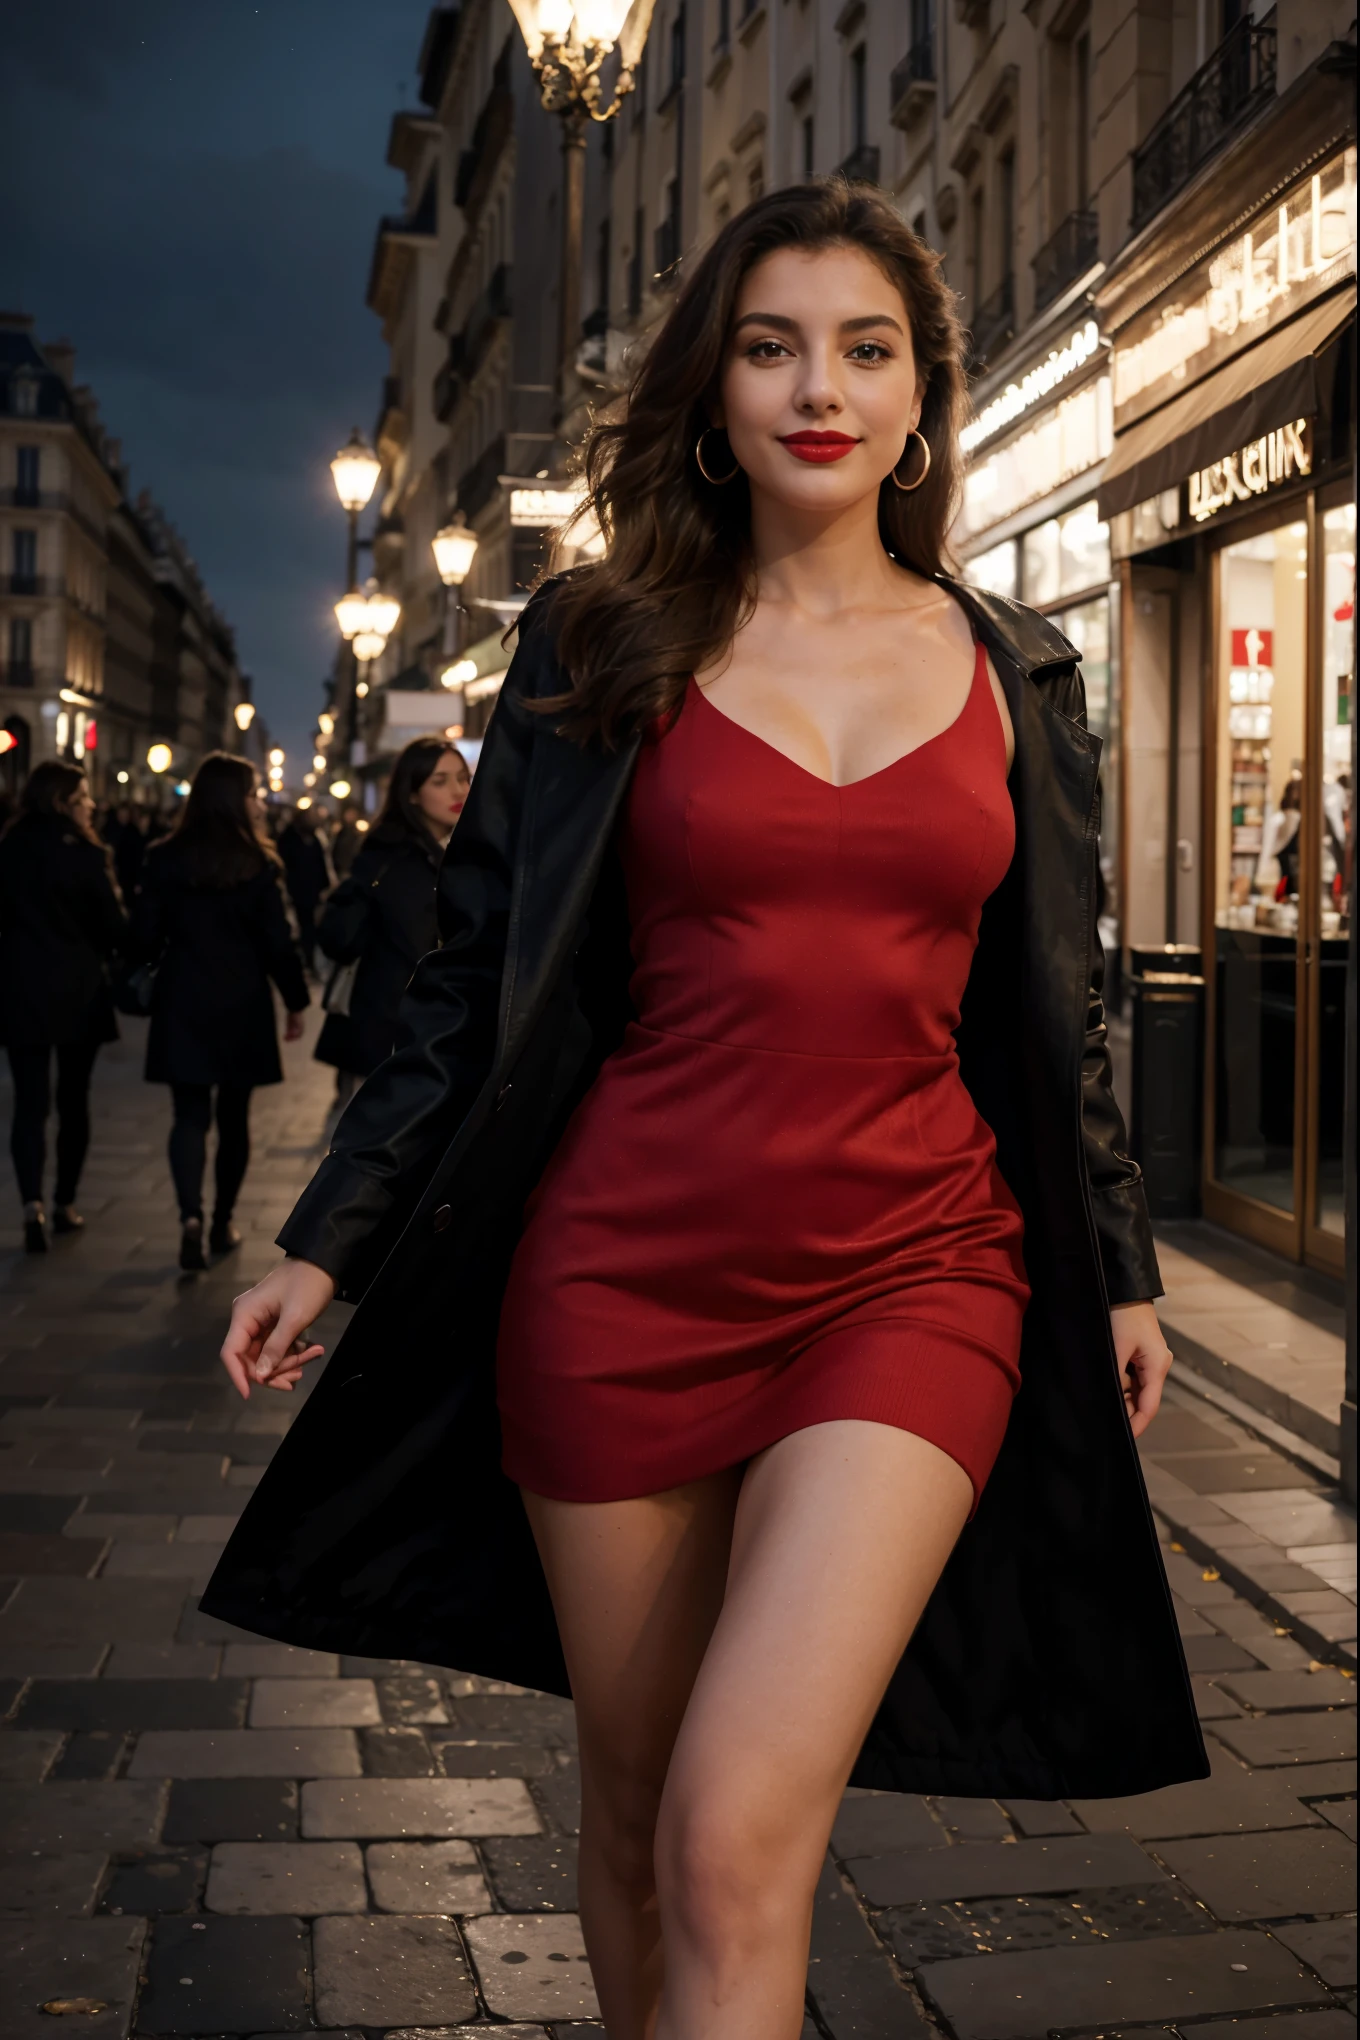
column 355, row 470
column 569, row 42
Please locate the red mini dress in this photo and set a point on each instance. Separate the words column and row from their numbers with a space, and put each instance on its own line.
column 777, row 1205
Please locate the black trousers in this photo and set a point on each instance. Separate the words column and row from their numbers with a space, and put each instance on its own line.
column 32, row 1070
column 189, row 1145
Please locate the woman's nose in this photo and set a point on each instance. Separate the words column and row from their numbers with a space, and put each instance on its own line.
column 819, row 388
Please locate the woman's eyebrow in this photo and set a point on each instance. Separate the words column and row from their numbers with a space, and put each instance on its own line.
column 782, row 324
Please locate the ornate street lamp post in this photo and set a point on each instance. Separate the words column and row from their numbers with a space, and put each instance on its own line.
column 454, row 549
column 356, row 469
column 568, row 43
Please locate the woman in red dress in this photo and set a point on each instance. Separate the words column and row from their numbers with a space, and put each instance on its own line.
column 761, row 1333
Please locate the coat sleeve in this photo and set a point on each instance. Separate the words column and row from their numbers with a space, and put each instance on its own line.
column 1124, row 1230
column 279, row 950
column 391, row 1136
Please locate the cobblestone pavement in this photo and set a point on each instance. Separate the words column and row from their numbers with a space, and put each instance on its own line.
column 209, row 1835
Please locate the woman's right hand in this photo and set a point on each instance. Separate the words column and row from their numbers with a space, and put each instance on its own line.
column 266, row 1342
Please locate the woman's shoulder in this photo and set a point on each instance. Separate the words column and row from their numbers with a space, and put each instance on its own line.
column 1032, row 639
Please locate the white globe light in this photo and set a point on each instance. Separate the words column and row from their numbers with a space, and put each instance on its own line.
column 356, row 469
column 383, row 611
column 369, row 644
column 459, row 673
column 326, row 724
column 351, row 613
column 276, row 756
column 160, row 757
column 454, row 549
column 340, row 789
column 318, row 763
column 244, row 714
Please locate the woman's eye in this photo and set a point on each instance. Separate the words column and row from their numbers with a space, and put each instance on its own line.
column 765, row 350
column 870, row 350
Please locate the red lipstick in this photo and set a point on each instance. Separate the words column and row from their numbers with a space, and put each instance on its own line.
column 819, row 447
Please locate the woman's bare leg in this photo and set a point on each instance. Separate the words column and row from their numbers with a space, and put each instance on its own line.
column 637, row 1587
column 841, row 1533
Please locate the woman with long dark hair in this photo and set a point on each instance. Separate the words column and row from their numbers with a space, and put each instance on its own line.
column 210, row 917
column 748, row 1143
column 61, row 919
column 381, row 919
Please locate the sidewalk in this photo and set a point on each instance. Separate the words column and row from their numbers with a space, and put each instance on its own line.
column 208, row 1835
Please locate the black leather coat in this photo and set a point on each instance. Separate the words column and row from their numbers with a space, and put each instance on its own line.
column 1048, row 1662
column 382, row 917
column 60, row 923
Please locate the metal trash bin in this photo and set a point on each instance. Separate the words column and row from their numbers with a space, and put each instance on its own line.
column 1166, row 1122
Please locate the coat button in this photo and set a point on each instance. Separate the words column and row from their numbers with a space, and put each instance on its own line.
column 502, row 1095
column 443, row 1218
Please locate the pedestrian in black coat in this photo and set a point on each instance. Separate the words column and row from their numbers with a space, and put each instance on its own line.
column 382, row 919
column 60, row 921
column 211, row 920
column 308, row 874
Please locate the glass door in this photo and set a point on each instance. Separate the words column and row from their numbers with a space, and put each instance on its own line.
column 1332, row 857
column 1255, row 1065
column 1281, row 869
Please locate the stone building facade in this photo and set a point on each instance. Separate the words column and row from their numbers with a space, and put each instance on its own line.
column 108, row 639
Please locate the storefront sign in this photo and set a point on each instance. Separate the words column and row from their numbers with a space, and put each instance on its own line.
column 1074, row 436
column 538, row 508
column 1291, row 254
column 1275, row 457
column 1032, row 388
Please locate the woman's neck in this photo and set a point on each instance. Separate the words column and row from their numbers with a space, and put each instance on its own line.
column 824, row 565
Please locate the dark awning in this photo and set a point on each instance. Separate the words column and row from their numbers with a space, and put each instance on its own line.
column 1270, row 384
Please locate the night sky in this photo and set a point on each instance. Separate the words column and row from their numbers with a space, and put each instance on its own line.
column 191, row 193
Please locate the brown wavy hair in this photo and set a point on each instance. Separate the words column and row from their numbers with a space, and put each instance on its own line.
column 677, row 577
column 214, row 840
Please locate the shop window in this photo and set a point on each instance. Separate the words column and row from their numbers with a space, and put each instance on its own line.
column 1065, row 556
column 995, row 570
column 1336, row 862
column 1259, row 842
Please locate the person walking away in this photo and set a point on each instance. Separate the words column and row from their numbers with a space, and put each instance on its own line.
column 211, row 918
column 381, row 919
column 308, row 876
column 348, row 841
column 61, row 919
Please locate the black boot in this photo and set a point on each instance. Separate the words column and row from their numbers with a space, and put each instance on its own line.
column 223, row 1236
column 66, row 1219
column 35, row 1228
column 191, row 1255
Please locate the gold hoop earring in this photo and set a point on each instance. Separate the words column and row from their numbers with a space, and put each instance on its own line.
column 908, row 487
column 718, row 481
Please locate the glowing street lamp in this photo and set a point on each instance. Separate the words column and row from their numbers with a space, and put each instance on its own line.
column 276, row 757
column 244, row 715
column 568, row 42
column 326, row 724
column 160, row 757
column 340, row 789
column 459, row 673
column 369, row 645
column 454, row 549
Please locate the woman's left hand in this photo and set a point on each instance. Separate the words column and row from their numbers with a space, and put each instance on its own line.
column 1144, row 1361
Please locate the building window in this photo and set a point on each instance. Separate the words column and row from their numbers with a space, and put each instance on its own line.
column 26, row 473
column 677, row 77
column 24, row 561
column 1069, row 133
column 602, row 265
column 807, row 155
column 1005, row 195
column 23, row 393
column 859, row 97
column 635, row 263
column 20, row 652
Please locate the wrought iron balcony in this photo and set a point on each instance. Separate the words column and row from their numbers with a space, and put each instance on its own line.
column 994, row 323
column 911, row 86
column 861, row 165
column 1065, row 255
column 1223, row 93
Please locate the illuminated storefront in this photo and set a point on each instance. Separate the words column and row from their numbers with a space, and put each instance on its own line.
column 1029, row 528
column 1230, row 504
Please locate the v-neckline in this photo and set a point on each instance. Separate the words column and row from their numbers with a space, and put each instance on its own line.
column 848, row 785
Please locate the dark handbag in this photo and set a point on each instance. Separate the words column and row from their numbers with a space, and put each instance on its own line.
column 135, row 990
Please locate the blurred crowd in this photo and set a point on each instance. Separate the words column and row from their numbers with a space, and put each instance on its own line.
column 204, row 919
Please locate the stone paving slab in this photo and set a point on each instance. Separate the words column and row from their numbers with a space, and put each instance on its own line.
column 247, row 1753
column 532, row 1966
column 1000, row 1869
column 426, row 1877
column 1268, row 1877
column 61, row 1962
column 378, row 1969
column 1016, row 1997
column 119, row 1814
column 226, row 1976
column 65, row 1884
column 303, row 1878
column 378, row 1809
column 1327, row 1946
